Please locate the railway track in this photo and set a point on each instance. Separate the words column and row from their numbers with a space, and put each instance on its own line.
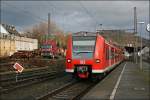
column 7, row 66
column 74, row 90
column 71, row 91
column 7, row 63
column 10, row 84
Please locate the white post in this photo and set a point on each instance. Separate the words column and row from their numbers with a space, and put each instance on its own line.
column 141, row 45
column 16, row 76
column 141, row 49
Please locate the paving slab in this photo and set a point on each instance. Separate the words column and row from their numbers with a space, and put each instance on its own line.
column 134, row 84
column 104, row 88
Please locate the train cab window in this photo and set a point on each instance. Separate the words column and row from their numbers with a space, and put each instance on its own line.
column 83, row 46
column 46, row 46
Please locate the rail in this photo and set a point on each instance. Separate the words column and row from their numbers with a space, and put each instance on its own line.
column 25, row 80
column 71, row 91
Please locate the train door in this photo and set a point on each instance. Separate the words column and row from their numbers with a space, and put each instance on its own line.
column 109, row 48
column 107, row 55
column 114, row 56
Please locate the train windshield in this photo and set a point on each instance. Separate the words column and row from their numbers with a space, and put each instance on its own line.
column 46, row 46
column 83, row 46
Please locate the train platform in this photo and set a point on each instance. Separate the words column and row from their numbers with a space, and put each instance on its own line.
column 126, row 82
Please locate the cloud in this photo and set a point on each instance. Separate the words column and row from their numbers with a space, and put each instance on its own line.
column 75, row 15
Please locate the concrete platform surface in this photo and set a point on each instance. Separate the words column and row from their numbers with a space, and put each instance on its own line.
column 126, row 82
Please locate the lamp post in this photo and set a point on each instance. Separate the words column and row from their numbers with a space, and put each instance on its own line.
column 148, row 30
column 100, row 28
column 140, row 23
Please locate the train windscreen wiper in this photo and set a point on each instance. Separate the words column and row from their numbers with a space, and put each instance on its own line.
column 78, row 52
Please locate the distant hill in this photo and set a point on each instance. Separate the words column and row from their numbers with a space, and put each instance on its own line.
column 123, row 38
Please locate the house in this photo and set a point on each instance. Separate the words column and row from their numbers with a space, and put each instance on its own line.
column 11, row 41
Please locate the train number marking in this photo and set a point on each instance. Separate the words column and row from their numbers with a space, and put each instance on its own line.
column 82, row 61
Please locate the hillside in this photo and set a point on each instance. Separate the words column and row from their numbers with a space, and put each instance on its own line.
column 122, row 38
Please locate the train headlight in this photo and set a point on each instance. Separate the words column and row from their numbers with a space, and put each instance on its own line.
column 69, row 60
column 97, row 61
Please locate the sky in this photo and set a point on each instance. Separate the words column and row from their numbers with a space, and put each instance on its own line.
column 75, row 16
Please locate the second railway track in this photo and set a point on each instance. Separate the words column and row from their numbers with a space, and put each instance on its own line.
column 25, row 80
column 74, row 90
column 71, row 91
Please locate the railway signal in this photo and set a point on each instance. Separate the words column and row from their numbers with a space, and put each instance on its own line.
column 19, row 69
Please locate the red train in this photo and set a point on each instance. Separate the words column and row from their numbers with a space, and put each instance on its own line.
column 89, row 55
column 49, row 48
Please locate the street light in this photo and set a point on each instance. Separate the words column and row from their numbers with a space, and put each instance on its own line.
column 101, row 27
column 140, row 23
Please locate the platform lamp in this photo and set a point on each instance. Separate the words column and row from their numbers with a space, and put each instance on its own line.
column 140, row 23
column 100, row 28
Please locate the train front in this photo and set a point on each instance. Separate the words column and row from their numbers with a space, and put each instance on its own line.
column 79, row 56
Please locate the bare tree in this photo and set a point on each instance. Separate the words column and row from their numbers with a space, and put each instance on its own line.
column 40, row 31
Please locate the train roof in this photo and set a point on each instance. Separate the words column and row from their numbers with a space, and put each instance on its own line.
column 84, row 33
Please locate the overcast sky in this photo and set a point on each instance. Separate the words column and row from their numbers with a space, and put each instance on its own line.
column 75, row 16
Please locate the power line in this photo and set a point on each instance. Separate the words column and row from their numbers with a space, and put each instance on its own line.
column 90, row 15
column 77, row 22
column 27, row 13
column 49, row 23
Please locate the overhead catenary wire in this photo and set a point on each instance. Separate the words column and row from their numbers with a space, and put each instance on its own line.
column 26, row 13
column 88, row 13
column 64, row 17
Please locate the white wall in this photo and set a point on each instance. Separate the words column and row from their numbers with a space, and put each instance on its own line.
column 28, row 44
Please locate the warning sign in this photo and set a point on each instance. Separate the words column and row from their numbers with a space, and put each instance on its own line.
column 18, row 67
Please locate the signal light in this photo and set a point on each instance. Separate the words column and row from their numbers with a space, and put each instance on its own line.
column 97, row 61
column 69, row 60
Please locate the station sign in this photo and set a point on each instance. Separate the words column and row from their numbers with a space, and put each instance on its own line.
column 148, row 27
column 18, row 67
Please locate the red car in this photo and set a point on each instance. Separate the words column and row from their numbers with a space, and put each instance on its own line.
column 89, row 55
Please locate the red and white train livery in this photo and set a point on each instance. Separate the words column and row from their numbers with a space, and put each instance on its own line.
column 90, row 55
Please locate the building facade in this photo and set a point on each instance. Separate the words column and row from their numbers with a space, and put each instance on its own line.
column 11, row 43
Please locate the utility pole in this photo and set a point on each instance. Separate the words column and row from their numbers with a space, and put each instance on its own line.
column 141, row 45
column 49, row 24
column 136, row 39
column 149, row 23
column 101, row 28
